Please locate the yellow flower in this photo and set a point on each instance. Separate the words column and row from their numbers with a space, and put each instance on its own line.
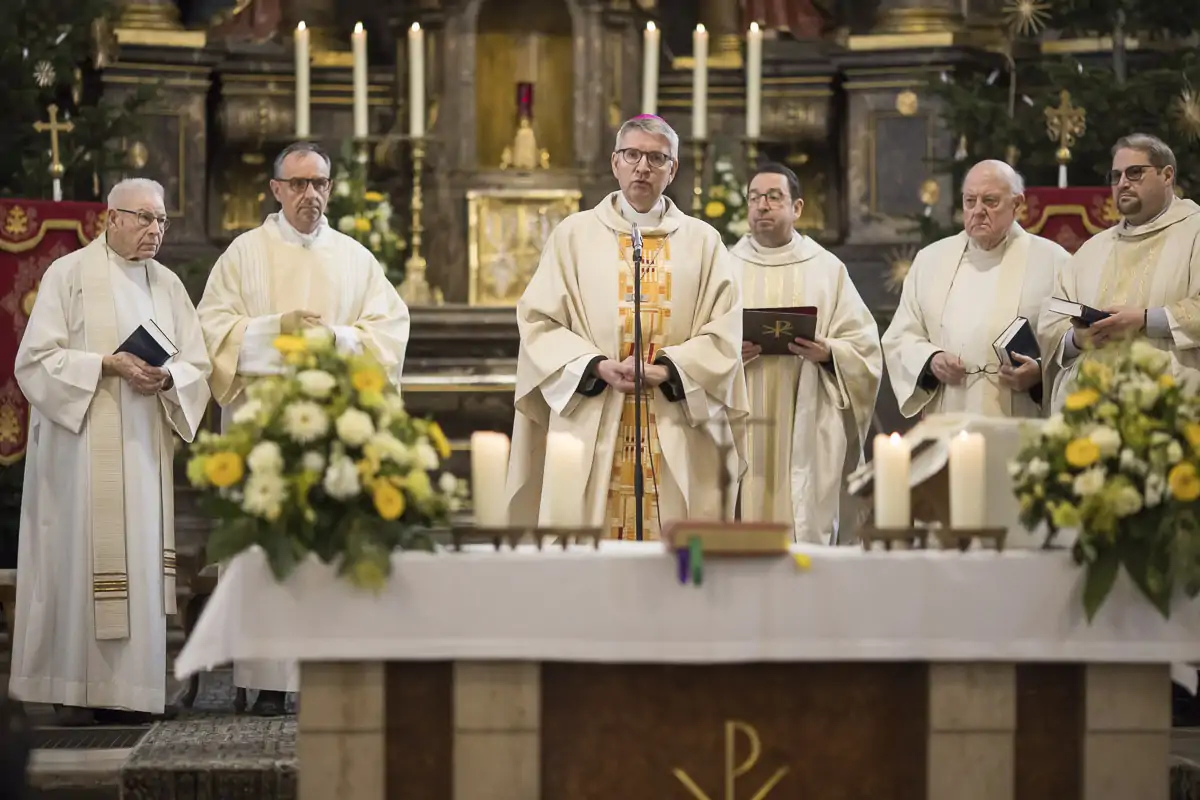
column 373, row 197
column 367, row 574
column 362, row 224
column 1097, row 371
column 367, row 380
column 714, row 208
column 1191, row 432
column 439, row 441
column 370, row 399
column 1184, row 482
column 1081, row 399
column 367, row 467
column 1065, row 515
column 1165, row 381
column 389, row 501
column 717, row 192
column 197, row 472
column 803, row 562
column 1082, row 453
column 223, row 469
column 288, row 344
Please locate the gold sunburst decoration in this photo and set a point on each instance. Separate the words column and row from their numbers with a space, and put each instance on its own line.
column 1026, row 17
column 1185, row 110
column 899, row 263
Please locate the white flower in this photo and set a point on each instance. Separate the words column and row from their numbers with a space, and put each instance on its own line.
column 375, row 240
column 447, row 483
column 384, row 211
column 1132, row 464
column 739, row 227
column 1127, row 501
column 1090, row 482
column 305, row 421
column 346, row 224
column 427, row 457
column 1149, row 357
column 313, row 462
column 316, row 383
column 342, row 188
column 392, row 449
column 248, row 412
column 354, row 427
column 1107, row 439
column 1156, row 486
column 1174, row 452
column 1056, row 428
column 265, row 458
column 264, row 495
column 723, row 164
column 734, row 200
column 1015, row 469
column 1038, row 468
column 318, row 338
column 341, row 479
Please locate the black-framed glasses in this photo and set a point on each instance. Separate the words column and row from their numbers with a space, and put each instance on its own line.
column 145, row 219
column 991, row 369
column 656, row 160
column 774, row 198
column 1133, row 174
column 300, row 185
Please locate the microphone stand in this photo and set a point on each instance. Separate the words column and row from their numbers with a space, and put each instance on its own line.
column 639, row 377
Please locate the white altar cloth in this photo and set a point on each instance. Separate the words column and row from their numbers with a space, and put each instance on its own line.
column 625, row 604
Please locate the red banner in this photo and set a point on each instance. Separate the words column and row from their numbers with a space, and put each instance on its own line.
column 1068, row 216
column 33, row 233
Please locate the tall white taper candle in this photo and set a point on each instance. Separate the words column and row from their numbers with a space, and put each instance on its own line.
column 754, row 82
column 650, row 56
column 700, row 84
column 302, row 81
column 416, row 81
column 358, row 45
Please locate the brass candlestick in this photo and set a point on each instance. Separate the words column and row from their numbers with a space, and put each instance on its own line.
column 415, row 289
column 698, row 152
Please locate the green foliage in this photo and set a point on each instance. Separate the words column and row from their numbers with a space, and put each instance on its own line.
column 1084, row 17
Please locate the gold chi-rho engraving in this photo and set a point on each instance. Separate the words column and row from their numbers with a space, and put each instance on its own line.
column 780, row 328
column 733, row 771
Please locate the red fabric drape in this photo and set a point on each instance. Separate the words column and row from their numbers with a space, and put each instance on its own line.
column 1068, row 216
column 799, row 17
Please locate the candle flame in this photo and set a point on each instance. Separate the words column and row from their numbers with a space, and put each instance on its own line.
column 416, row 26
column 700, row 28
column 650, row 26
column 358, row 27
column 754, row 27
column 301, row 26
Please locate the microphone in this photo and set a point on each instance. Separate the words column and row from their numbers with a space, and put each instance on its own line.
column 637, row 244
column 639, row 488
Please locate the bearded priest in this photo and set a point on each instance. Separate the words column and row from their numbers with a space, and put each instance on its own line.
column 293, row 273
column 575, row 369
column 959, row 297
column 820, row 399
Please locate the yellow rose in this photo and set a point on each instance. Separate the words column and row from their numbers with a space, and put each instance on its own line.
column 439, row 441
column 1191, row 432
column 223, row 469
column 373, row 197
column 1184, row 482
column 1079, row 400
column 714, row 208
column 1082, row 453
column 389, row 501
column 288, row 344
column 367, row 380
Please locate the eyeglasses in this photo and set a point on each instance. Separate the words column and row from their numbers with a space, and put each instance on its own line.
column 656, row 160
column 1134, row 174
column 774, row 198
column 300, row 185
column 145, row 219
column 991, row 369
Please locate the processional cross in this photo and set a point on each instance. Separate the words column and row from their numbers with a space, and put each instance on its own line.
column 54, row 127
column 1064, row 123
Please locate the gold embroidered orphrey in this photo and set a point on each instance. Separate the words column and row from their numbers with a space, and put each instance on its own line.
column 734, row 771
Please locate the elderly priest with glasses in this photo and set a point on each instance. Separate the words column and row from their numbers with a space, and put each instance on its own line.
column 964, row 337
column 114, row 366
column 574, row 433
column 291, row 274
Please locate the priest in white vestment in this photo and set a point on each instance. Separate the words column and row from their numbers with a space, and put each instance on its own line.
column 294, row 272
column 1145, row 270
column 96, row 558
column 818, row 402
column 575, row 368
column 959, row 296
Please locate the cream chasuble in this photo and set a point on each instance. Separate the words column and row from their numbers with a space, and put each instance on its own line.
column 96, row 563
column 958, row 299
column 1156, row 265
column 578, row 306
column 820, row 414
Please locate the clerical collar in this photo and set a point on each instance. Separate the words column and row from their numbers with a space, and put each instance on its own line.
column 651, row 219
column 293, row 236
column 1128, row 228
column 763, row 250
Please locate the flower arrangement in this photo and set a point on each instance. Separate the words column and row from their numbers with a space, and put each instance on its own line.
column 323, row 459
column 725, row 203
column 1121, row 466
column 366, row 215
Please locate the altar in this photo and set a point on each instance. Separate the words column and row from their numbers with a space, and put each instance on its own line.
column 828, row 673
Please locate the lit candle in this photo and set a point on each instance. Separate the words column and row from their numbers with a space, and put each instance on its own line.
column 489, row 473
column 301, row 47
column 967, row 481
column 700, row 84
column 358, row 44
column 564, row 464
column 892, row 495
column 753, row 82
column 650, row 57
column 416, row 81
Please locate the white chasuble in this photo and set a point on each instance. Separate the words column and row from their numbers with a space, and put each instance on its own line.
column 1152, row 266
column 958, row 299
column 578, row 306
column 96, row 558
column 816, row 416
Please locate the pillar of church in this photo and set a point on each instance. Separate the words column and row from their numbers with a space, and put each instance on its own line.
column 161, row 15
column 918, row 16
column 720, row 19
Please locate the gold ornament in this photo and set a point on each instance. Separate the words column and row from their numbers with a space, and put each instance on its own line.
column 899, row 263
column 906, row 102
column 1026, row 17
column 930, row 192
column 1064, row 123
column 1185, row 111
column 44, row 74
column 1011, row 154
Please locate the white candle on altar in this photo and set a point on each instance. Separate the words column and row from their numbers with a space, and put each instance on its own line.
column 416, row 81
column 358, row 45
column 650, row 56
column 302, row 88
column 564, row 462
column 489, row 474
column 892, row 494
column 967, row 481
column 700, row 84
column 754, row 82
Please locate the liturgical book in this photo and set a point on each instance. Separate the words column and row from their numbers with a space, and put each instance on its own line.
column 773, row 329
column 149, row 344
column 1078, row 312
column 1017, row 338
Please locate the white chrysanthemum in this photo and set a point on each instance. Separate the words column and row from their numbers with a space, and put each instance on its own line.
column 318, row 338
column 1132, row 464
column 265, row 458
column 346, row 224
column 1056, row 428
column 1107, row 439
column 1127, row 501
column 427, row 457
column 354, row 427
column 1015, row 469
column 375, row 240
column 247, row 413
column 392, row 449
column 342, row 188
column 739, row 227
column 305, row 421
column 341, row 479
column 447, row 483
column 264, row 495
column 1038, row 468
column 1090, row 482
column 1149, row 357
column 1174, row 452
column 313, row 461
column 316, row 383
column 1156, row 487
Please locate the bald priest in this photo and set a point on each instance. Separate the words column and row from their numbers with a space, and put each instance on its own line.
column 575, row 369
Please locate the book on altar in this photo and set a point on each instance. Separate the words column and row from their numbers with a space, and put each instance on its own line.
column 1017, row 338
column 773, row 329
column 740, row 538
column 149, row 344
column 1078, row 312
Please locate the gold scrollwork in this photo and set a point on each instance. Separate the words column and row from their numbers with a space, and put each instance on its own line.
column 734, row 770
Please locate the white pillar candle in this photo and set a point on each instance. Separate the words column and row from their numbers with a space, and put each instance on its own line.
column 1062, row 176
column 489, row 474
column 754, row 82
column 967, row 481
column 650, row 57
column 892, row 495
column 700, row 84
column 416, row 81
column 302, row 81
column 358, row 45
column 564, row 464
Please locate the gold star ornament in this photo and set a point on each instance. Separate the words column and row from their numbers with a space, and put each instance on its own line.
column 1185, row 112
column 1026, row 17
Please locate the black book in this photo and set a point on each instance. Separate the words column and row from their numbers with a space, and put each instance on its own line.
column 1078, row 312
column 1017, row 338
column 149, row 344
column 773, row 329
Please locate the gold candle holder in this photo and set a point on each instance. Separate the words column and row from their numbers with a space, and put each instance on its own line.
column 415, row 288
column 698, row 152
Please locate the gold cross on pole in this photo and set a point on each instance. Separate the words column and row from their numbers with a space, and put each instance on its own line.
column 54, row 127
column 1064, row 123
